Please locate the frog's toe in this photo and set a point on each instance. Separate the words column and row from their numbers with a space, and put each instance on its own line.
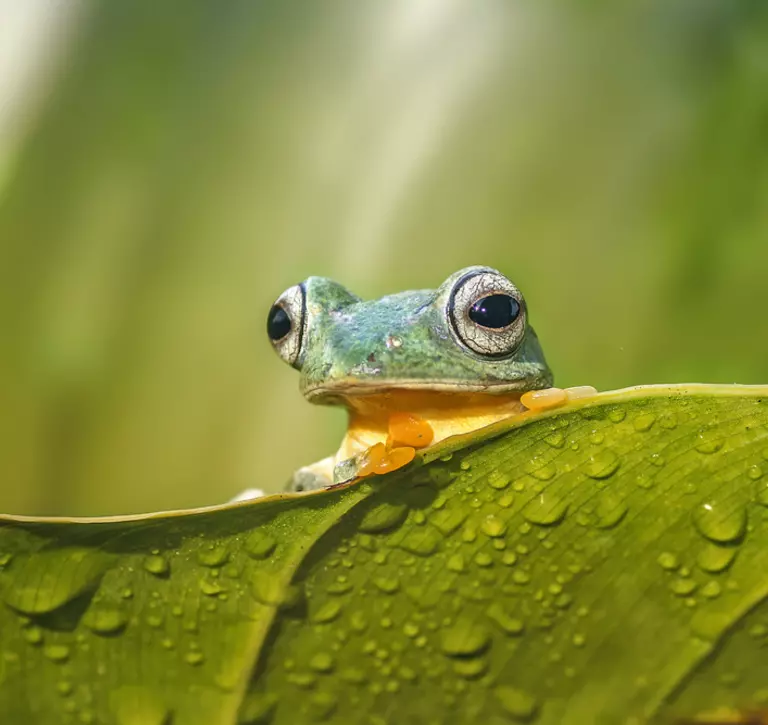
column 555, row 397
column 247, row 495
column 307, row 479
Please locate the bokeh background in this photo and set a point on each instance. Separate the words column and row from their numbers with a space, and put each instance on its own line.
column 168, row 168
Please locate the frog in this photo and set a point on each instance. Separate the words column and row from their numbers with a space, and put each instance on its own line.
column 411, row 368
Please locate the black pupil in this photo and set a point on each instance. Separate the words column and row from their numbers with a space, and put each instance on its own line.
column 278, row 323
column 495, row 311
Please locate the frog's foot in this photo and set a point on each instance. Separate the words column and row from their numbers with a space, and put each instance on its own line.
column 555, row 397
column 405, row 433
column 247, row 495
column 311, row 478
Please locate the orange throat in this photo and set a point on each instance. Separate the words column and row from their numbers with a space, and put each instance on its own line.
column 401, row 419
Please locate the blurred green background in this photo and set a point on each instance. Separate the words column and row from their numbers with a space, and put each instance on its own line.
column 167, row 169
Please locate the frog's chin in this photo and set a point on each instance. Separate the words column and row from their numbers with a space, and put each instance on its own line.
column 344, row 391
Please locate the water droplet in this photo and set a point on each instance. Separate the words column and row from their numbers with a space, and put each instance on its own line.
column 64, row 688
column 556, row 440
column 382, row 517
column 579, row 640
column 602, row 464
column 521, row 577
column 644, row 422
column 358, row 621
column 213, row 556
column 546, row 509
column 194, row 657
column 711, row 590
column 616, row 415
column 105, row 620
column 446, row 521
column 259, row 544
column 339, row 587
column 322, row 662
column 327, row 612
column 388, row 585
column 596, row 437
column 47, row 580
column 423, row 542
column 498, row 479
column 668, row 421
column 541, row 472
column 465, row 638
column 33, row 635
column 669, row 561
column 269, row 590
column 304, row 680
column 721, row 521
column 138, row 706
column 5, row 560
column 506, row 622
column 516, row 704
column 483, row 559
column 609, row 512
column 714, row 559
column 682, row 587
column 353, row 676
column 493, row 526
column 509, row 558
column 57, row 652
column 456, row 563
column 322, row 705
column 470, row 669
column 157, row 565
column 211, row 587
column 707, row 444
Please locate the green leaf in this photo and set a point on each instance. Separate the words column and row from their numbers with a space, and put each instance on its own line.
column 604, row 563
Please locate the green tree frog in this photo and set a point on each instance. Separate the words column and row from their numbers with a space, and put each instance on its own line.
column 411, row 368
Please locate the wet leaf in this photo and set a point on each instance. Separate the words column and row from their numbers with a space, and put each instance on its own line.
column 629, row 584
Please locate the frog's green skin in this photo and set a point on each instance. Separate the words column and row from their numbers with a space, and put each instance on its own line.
column 350, row 348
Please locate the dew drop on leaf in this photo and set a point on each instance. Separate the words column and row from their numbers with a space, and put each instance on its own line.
column 383, row 517
column 47, row 580
column 720, row 521
column 157, row 565
column 545, row 509
column 516, row 704
column 464, row 638
column 602, row 464
column 105, row 620
column 259, row 544
column 714, row 559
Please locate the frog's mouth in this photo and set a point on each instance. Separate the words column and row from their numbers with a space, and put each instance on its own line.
column 435, row 393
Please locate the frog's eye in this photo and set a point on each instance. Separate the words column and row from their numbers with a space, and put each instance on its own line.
column 487, row 314
column 285, row 324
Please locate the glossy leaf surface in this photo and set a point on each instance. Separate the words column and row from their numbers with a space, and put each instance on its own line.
column 605, row 563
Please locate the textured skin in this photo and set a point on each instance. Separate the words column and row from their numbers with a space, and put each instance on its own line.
column 401, row 341
column 604, row 563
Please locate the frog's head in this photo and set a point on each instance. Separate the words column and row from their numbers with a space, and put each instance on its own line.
column 470, row 335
